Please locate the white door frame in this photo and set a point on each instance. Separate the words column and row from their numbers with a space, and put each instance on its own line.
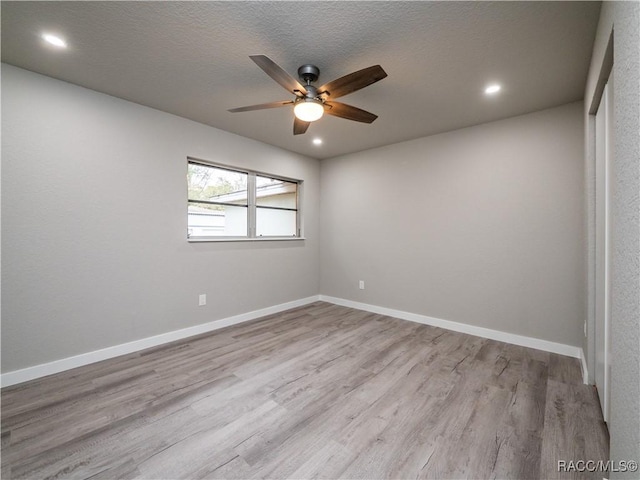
column 604, row 156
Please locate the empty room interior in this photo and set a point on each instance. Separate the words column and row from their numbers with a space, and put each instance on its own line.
column 373, row 240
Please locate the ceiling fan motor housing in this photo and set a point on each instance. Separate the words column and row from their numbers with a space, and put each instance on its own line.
column 312, row 93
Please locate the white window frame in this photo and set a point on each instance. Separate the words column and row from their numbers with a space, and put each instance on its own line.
column 251, row 205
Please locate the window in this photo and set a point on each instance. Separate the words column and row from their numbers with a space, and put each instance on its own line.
column 225, row 203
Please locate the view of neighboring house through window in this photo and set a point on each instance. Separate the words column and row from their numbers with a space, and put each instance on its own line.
column 276, row 207
column 224, row 202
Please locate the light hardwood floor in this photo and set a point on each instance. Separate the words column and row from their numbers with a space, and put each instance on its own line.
column 320, row 391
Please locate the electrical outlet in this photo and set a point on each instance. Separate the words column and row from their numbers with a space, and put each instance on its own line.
column 361, row 284
column 202, row 299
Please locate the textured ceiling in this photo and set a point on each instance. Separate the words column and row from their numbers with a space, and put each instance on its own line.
column 192, row 59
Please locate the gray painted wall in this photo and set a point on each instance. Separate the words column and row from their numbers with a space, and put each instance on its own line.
column 624, row 426
column 94, row 250
column 482, row 225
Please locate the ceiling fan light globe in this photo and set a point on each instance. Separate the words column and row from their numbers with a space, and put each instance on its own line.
column 309, row 110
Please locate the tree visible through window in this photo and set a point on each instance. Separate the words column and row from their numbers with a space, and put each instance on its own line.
column 224, row 202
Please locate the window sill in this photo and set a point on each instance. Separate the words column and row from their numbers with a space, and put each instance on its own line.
column 257, row 239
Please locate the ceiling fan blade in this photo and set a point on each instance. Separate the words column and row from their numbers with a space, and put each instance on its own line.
column 299, row 126
column 349, row 112
column 352, row 82
column 261, row 106
column 278, row 74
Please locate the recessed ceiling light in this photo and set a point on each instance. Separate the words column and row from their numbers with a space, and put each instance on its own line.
column 317, row 141
column 492, row 89
column 54, row 40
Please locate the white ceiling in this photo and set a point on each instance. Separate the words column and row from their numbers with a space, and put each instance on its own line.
column 192, row 59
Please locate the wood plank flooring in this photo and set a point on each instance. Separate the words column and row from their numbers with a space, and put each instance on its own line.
column 320, row 391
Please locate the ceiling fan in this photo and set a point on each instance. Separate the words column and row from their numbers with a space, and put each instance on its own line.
column 312, row 102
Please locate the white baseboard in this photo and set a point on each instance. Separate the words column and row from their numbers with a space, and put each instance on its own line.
column 521, row 340
column 37, row 371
